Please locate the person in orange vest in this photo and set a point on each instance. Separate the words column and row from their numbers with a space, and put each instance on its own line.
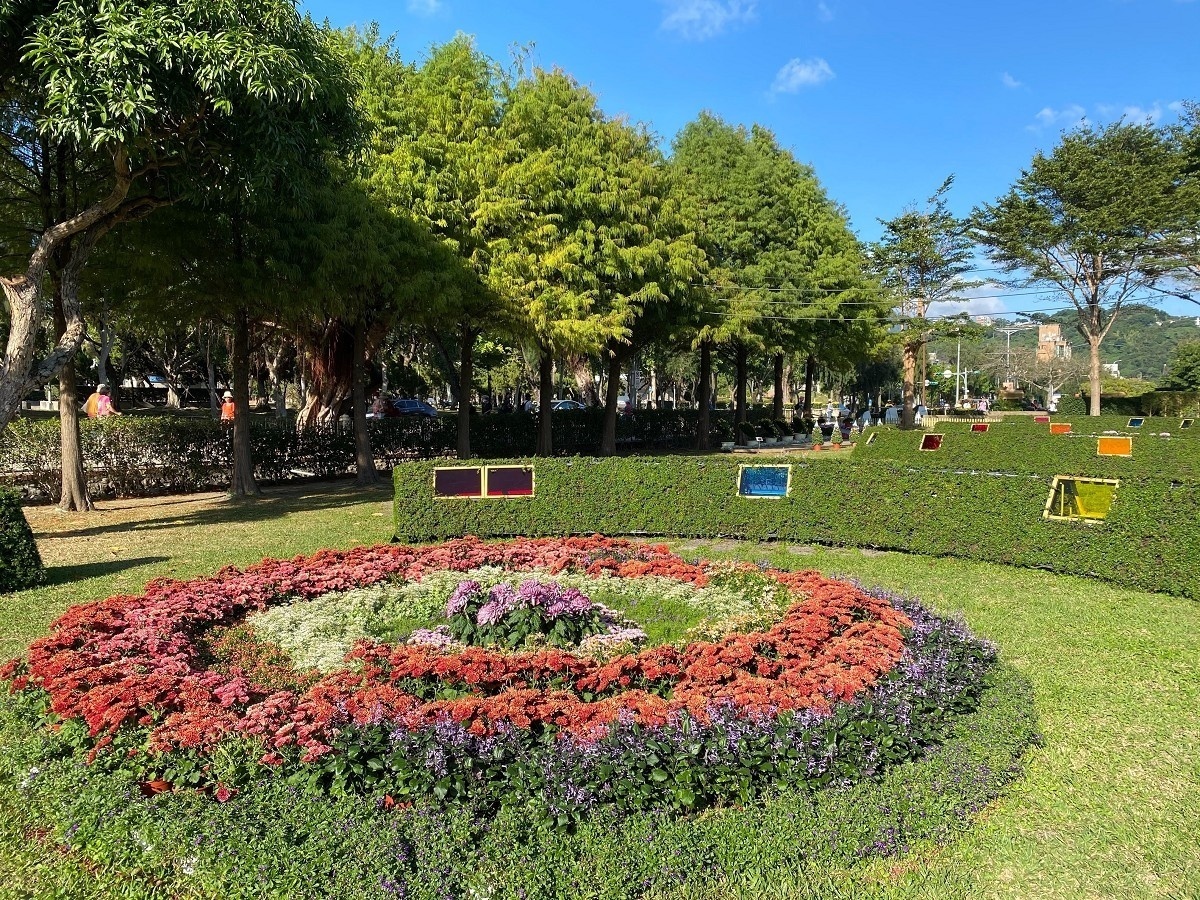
column 228, row 409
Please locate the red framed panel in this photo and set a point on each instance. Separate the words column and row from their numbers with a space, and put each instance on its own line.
column 458, row 481
column 932, row 442
column 1041, row 420
column 979, row 427
column 509, row 481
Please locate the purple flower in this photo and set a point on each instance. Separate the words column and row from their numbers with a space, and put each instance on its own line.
column 461, row 596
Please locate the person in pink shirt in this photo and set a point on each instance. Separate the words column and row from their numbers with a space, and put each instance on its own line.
column 104, row 404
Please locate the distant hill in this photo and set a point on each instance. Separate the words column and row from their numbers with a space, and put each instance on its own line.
column 1141, row 342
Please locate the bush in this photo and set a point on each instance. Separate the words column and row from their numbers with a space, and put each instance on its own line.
column 20, row 562
column 1149, row 539
column 1153, row 403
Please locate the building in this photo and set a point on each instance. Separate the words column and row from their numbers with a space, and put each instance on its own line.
column 1052, row 344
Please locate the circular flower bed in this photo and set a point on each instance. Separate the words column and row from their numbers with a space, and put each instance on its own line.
column 521, row 697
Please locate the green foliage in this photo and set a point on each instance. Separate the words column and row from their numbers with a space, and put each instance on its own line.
column 20, row 562
column 1184, row 372
column 935, row 509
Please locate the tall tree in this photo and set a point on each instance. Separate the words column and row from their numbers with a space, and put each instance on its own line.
column 171, row 98
column 923, row 258
column 439, row 155
column 1092, row 221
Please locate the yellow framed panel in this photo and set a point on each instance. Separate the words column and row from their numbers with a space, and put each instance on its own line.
column 871, row 437
column 763, row 482
column 1078, row 499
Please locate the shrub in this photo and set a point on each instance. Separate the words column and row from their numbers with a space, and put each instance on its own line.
column 1149, row 539
column 20, row 562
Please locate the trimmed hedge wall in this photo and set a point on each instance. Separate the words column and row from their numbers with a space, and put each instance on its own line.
column 1019, row 445
column 1150, row 539
column 20, row 562
column 1160, row 403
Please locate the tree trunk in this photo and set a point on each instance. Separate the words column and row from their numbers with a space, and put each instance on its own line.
column 545, row 435
column 810, row 374
column 331, row 374
column 777, row 406
column 1094, row 377
column 241, row 480
column 364, row 457
column 908, row 415
column 704, row 425
column 608, row 437
column 73, row 496
column 740, row 414
column 466, row 379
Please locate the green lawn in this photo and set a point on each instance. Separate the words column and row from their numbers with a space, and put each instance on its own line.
column 1109, row 807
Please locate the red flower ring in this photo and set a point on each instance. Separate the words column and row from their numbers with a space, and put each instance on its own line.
column 138, row 660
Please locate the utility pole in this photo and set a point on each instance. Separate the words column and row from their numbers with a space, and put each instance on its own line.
column 1008, row 332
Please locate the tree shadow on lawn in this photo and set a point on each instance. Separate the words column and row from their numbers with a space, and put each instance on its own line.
column 56, row 575
column 275, row 502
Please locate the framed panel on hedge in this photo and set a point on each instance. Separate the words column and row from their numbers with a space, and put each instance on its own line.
column 1135, row 422
column 1114, row 446
column 980, row 427
column 1060, row 427
column 764, row 482
column 1076, row 499
column 508, row 481
column 931, row 442
column 1186, row 423
column 458, row 482
column 1041, row 420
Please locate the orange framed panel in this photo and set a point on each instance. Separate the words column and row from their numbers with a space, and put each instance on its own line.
column 1114, row 446
column 1060, row 427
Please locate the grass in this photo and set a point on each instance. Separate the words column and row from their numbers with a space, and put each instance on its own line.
column 1109, row 806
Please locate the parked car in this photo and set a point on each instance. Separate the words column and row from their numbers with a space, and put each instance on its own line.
column 567, row 404
column 415, row 408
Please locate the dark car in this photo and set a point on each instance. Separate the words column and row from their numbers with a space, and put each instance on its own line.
column 415, row 408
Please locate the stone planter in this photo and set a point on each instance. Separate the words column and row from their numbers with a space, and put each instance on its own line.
column 727, row 446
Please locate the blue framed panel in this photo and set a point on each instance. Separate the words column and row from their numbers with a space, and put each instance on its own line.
column 764, row 482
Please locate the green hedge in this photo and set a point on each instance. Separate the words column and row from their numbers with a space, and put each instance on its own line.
column 20, row 562
column 1160, row 403
column 1149, row 540
column 144, row 455
column 1019, row 445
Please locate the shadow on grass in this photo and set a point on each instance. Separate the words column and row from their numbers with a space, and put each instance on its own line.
column 65, row 574
column 275, row 502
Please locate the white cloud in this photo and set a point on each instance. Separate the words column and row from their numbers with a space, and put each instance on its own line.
column 1009, row 82
column 698, row 20
column 424, row 7
column 974, row 306
column 1071, row 115
column 1139, row 114
column 824, row 12
column 801, row 73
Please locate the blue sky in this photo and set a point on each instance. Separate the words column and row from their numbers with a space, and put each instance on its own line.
column 883, row 99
